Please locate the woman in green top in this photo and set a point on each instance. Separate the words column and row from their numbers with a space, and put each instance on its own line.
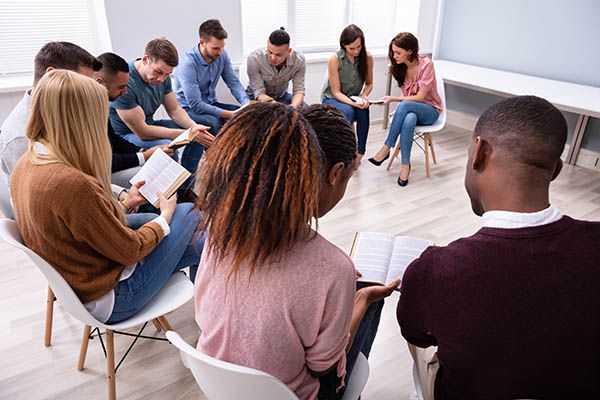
column 350, row 72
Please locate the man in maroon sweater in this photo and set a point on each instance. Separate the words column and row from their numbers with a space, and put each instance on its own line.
column 514, row 310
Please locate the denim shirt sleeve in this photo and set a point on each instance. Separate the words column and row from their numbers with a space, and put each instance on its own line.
column 188, row 78
column 233, row 82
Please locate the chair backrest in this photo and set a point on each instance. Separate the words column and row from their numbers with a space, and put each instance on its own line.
column 243, row 73
column 225, row 381
column 9, row 232
column 442, row 92
column 5, row 204
column 325, row 84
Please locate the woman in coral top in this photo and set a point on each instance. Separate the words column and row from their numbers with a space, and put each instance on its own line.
column 272, row 293
column 420, row 103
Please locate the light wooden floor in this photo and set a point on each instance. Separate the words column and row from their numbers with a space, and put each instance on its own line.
column 435, row 208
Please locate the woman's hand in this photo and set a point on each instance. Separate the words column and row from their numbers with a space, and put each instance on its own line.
column 388, row 99
column 134, row 198
column 167, row 206
column 378, row 292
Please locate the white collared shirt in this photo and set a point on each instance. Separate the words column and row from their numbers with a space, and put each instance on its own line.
column 515, row 220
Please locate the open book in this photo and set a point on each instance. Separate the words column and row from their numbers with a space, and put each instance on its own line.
column 186, row 137
column 246, row 105
column 382, row 258
column 162, row 174
column 360, row 100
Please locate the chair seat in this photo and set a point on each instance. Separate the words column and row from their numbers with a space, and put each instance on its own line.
column 435, row 127
column 176, row 292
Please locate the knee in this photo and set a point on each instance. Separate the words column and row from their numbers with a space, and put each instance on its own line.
column 410, row 119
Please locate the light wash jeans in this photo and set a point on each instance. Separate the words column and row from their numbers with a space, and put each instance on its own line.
column 407, row 115
column 361, row 116
column 211, row 120
column 180, row 249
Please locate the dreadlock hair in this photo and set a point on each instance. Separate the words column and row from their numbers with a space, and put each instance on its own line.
column 259, row 185
column 336, row 137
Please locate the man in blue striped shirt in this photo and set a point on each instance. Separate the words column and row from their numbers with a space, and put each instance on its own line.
column 197, row 76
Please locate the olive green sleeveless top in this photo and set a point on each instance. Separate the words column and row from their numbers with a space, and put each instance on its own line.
column 350, row 82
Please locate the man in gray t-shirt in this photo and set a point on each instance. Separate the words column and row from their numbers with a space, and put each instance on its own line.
column 271, row 69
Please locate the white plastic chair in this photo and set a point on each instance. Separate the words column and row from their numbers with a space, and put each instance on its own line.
column 177, row 291
column 424, row 131
column 5, row 203
column 225, row 381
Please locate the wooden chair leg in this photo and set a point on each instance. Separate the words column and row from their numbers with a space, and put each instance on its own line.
column 426, row 147
column 85, row 339
column 110, row 365
column 432, row 149
column 49, row 314
column 157, row 325
column 394, row 155
column 164, row 323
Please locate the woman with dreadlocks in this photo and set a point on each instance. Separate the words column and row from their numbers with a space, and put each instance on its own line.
column 272, row 293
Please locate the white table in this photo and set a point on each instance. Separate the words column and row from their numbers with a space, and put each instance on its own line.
column 570, row 97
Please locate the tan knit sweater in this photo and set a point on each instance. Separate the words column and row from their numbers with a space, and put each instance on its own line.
column 66, row 218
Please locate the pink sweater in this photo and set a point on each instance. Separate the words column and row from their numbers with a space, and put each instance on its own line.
column 288, row 317
column 424, row 79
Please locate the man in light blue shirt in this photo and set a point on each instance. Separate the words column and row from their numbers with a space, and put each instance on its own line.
column 197, row 76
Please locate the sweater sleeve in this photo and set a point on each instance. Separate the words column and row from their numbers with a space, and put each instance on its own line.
column 91, row 220
column 415, row 294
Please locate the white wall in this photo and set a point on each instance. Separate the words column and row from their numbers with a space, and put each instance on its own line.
column 133, row 23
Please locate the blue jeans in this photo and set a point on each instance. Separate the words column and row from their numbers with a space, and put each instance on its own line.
column 211, row 120
column 136, row 220
column 406, row 117
column 363, row 341
column 352, row 114
column 285, row 98
column 181, row 248
column 191, row 153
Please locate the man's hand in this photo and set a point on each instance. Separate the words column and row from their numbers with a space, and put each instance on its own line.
column 134, row 198
column 378, row 292
column 165, row 147
column 226, row 114
column 264, row 98
column 204, row 137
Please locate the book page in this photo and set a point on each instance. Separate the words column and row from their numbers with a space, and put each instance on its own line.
column 377, row 101
column 183, row 138
column 406, row 250
column 160, row 173
column 372, row 254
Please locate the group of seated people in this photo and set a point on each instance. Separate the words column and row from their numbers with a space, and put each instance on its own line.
column 510, row 312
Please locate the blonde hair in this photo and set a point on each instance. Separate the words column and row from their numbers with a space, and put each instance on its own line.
column 69, row 116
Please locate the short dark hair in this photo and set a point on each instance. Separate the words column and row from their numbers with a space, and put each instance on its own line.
column 212, row 28
column 162, row 49
column 336, row 137
column 279, row 37
column 529, row 128
column 63, row 55
column 113, row 63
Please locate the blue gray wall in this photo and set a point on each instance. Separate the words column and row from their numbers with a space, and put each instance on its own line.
column 549, row 39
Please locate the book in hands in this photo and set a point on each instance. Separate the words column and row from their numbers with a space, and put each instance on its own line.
column 185, row 138
column 382, row 258
column 161, row 174
column 360, row 100
column 246, row 105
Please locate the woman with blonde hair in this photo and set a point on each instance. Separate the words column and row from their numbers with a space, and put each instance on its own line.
column 68, row 215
